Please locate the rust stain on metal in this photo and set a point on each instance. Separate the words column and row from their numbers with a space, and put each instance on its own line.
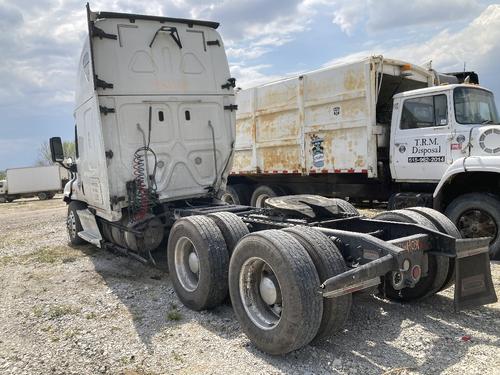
column 359, row 162
column 242, row 161
column 354, row 80
column 280, row 158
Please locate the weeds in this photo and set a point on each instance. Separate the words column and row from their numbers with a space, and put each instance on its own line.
column 174, row 314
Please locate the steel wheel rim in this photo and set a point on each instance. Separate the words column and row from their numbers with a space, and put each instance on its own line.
column 262, row 314
column 228, row 198
column 71, row 224
column 184, row 248
column 261, row 199
column 477, row 223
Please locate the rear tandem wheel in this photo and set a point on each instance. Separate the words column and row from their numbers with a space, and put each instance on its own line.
column 272, row 284
column 438, row 266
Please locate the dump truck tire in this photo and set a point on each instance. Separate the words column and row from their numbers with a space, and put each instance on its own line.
column 198, row 262
column 269, row 268
column 73, row 224
column 263, row 192
column 345, row 207
column 328, row 262
column 238, row 194
column 444, row 225
column 488, row 206
column 438, row 265
column 233, row 229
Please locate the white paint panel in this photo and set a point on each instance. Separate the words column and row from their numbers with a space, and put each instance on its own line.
column 33, row 179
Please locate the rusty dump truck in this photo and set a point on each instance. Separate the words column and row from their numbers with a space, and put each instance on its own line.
column 155, row 132
column 374, row 129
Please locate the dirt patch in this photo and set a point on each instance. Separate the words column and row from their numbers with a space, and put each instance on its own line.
column 67, row 310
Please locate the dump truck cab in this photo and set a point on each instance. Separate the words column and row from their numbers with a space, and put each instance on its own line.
column 448, row 137
column 433, row 128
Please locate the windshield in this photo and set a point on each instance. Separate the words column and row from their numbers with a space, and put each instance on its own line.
column 474, row 106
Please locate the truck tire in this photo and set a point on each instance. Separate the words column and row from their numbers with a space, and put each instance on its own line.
column 73, row 224
column 198, row 262
column 238, row 194
column 345, row 207
column 477, row 215
column 3, row 199
column 438, row 266
column 444, row 225
column 43, row 196
column 328, row 262
column 264, row 192
column 270, row 269
column 233, row 229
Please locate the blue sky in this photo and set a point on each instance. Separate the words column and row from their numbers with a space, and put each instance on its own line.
column 40, row 42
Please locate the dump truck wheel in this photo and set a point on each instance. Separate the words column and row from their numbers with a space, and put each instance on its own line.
column 438, row 266
column 345, row 207
column 73, row 224
column 444, row 225
column 273, row 287
column 477, row 215
column 328, row 262
column 264, row 192
column 238, row 194
column 233, row 229
column 198, row 262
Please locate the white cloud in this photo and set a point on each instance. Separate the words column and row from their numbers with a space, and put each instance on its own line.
column 473, row 44
column 390, row 14
column 250, row 76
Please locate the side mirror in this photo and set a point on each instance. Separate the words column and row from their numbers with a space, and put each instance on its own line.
column 56, row 149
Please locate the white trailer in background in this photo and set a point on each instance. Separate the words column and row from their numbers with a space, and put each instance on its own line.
column 373, row 129
column 42, row 182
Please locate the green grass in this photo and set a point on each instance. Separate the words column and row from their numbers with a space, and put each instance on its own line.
column 91, row 315
column 55, row 311
column 174, row 314
column 62, row 310
column 44, row 255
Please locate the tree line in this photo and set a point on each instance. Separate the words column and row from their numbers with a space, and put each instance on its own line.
column 44, row 156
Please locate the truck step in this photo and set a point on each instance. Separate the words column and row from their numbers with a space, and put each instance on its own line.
column 91, row 232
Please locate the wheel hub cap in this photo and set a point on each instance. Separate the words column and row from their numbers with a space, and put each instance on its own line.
column 194, row 262
column 268, row 291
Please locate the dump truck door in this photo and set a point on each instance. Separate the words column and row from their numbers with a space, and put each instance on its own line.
column 420, row 135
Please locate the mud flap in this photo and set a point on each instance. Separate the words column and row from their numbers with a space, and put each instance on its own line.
column 473, row 284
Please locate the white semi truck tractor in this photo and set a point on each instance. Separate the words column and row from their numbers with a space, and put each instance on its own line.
column 155, row 126
column 374, row 129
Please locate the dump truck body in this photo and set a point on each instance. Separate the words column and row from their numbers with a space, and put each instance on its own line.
column 326, row 121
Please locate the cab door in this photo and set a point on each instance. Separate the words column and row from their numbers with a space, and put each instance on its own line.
column 420, row 148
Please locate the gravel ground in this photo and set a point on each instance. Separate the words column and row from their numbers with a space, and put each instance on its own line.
column 67, row 310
